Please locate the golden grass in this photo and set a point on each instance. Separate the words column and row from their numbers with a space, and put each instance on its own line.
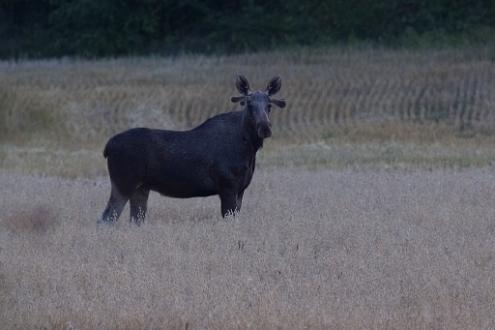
column 311, row 249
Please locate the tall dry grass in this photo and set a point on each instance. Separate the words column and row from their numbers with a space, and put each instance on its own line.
column 310, row 249
column 78, row 102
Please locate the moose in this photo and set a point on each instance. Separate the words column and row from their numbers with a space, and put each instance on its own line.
column 215, row 158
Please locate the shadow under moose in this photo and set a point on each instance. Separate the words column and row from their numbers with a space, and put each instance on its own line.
column 216, row 158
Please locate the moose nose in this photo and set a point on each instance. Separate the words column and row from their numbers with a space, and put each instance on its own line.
column 264, row 130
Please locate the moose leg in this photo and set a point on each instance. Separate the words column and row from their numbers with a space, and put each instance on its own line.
column 228, row 201
column 114, row 207
column 239, row 200
column 139, row 202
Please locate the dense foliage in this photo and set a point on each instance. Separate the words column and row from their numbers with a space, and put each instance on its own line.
column 113, row 27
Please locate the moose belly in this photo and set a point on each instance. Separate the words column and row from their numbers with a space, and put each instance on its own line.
column 183, row 189
column 183, row 184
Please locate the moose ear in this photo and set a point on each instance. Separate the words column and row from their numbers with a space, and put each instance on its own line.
column 274, row 86
column 278, row 103
column 242, row 85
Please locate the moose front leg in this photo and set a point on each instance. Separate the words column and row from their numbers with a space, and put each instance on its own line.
column 239, row 200
column 228, row 201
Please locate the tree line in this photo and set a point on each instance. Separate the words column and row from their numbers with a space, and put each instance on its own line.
column 94, row 28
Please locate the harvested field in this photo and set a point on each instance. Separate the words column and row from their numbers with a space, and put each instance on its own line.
column 78, row 103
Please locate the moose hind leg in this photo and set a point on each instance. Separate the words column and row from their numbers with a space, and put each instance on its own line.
column 139, row 202
column 114, row 208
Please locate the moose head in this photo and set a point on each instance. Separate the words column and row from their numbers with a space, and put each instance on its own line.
column 258, row 103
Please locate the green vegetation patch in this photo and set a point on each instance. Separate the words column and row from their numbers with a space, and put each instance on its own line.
column 378, row 155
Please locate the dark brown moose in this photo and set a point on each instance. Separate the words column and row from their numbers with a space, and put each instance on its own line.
column 215, row 158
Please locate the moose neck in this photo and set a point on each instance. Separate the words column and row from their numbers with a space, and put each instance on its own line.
column 249, row 132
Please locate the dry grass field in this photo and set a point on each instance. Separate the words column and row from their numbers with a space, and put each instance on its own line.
column 372, row 206
column 311, row 249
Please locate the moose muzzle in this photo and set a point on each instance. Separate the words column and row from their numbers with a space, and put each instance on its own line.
column 264, row 130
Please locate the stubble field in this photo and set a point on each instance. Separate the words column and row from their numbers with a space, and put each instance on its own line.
column 372, row 206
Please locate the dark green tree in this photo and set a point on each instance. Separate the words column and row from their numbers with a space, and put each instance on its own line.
column 116, row 27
